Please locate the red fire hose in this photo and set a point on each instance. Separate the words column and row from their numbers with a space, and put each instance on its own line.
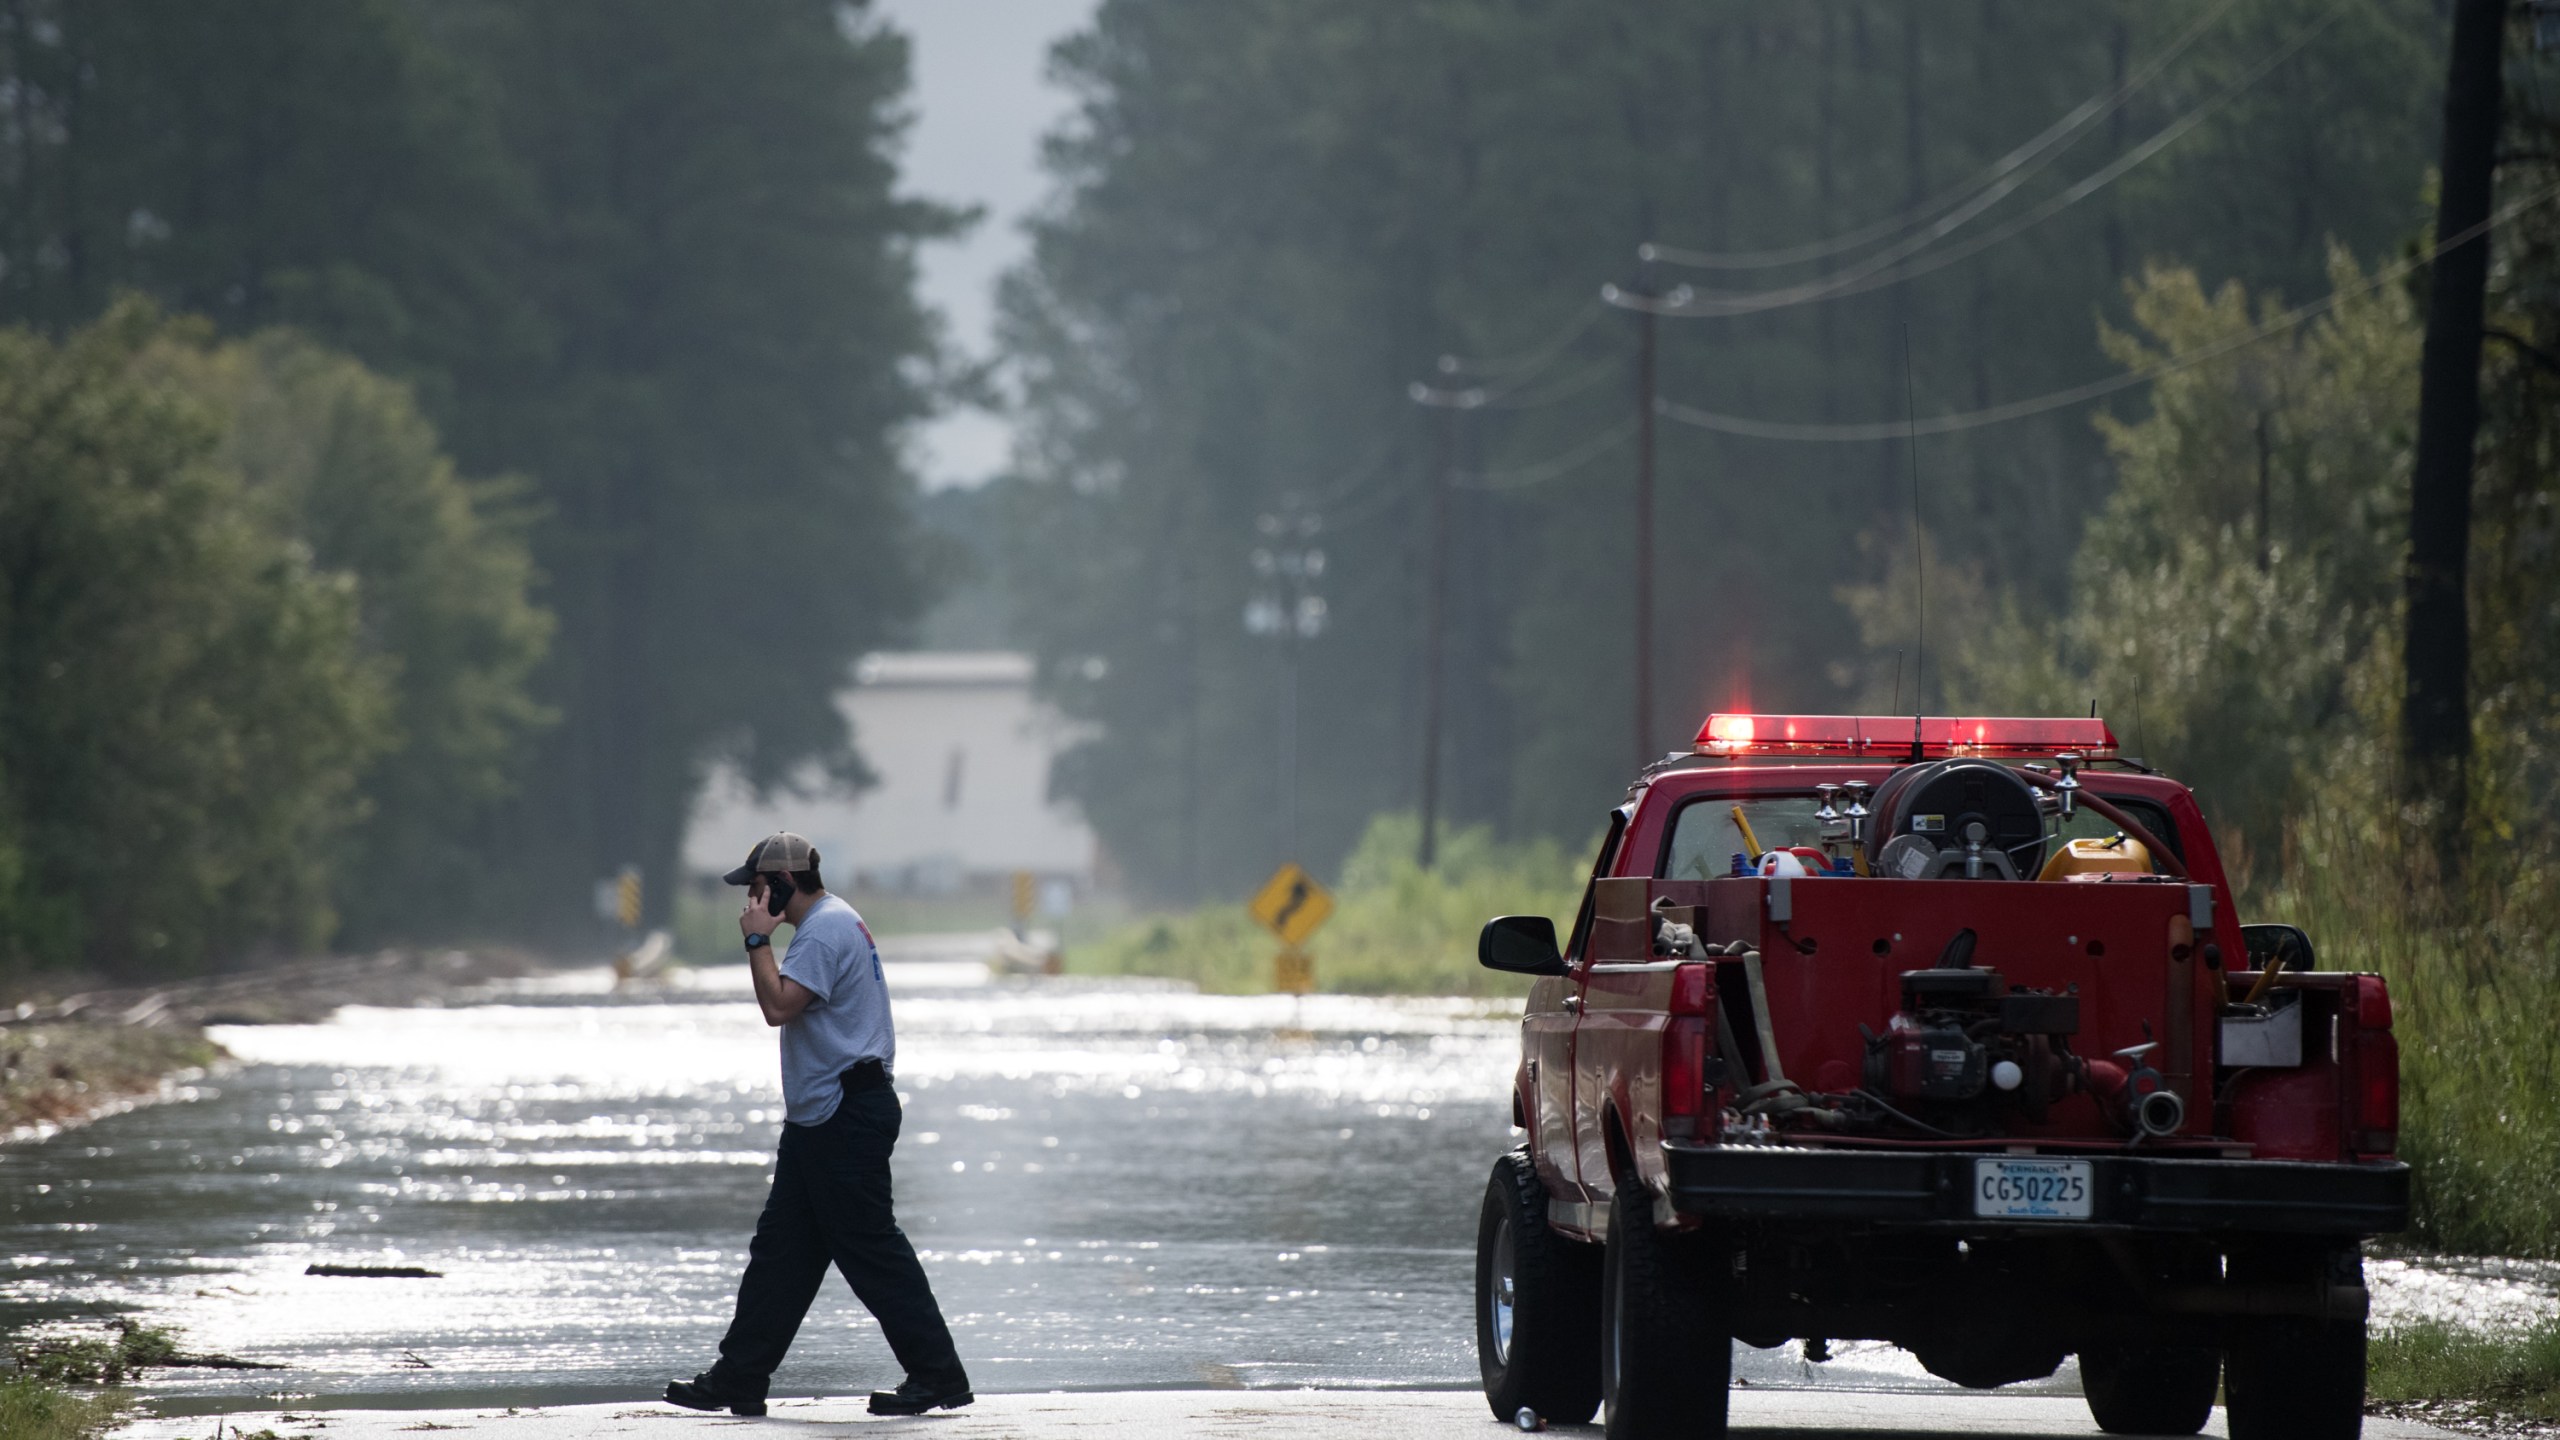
column 2130, row 826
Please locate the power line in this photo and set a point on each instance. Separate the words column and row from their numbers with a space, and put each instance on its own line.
column 2038, row 152
column 1572, row 458
column 2079, row 394
column 1350, row 482
column 1520, row 368
column 1357, row 510
column 1586, row 378
column 1880, row 270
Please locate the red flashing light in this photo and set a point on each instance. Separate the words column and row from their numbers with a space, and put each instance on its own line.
column 1892, row 737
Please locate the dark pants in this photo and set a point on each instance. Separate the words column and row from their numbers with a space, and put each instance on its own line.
column 830, row 1202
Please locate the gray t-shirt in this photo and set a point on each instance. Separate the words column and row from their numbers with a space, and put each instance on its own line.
column 834, row 958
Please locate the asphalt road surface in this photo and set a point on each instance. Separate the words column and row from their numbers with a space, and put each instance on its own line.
column 1206, row 1214
column 1211, row 1414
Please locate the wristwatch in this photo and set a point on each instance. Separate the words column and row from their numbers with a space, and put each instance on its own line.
column 758, row 942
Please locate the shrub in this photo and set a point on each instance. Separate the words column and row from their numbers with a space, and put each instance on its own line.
column 1400, row 929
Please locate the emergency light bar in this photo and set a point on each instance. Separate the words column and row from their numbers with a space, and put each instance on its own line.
column 1901, row 737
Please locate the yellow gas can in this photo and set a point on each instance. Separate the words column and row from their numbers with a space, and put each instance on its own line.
column 2090, row 855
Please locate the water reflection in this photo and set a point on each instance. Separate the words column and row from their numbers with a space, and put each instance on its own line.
column 1116, row 1184
column 1113, row 1185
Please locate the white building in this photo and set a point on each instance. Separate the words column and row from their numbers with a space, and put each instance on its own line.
column 962, row 751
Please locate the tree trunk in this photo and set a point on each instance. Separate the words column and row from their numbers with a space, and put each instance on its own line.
column 2435, row 707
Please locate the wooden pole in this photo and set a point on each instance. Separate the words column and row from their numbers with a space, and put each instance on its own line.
column 2435, row 707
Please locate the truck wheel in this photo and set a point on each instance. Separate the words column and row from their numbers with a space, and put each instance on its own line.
column 2296, row 1380
column 1665, row 1367
column 2154, row 1391
column 1537, row 1304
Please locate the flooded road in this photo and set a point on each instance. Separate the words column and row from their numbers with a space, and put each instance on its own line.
column 1114, row 1185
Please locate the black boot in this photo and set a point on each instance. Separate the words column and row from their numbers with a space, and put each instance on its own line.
column 703, row 1393
column 914, row 1397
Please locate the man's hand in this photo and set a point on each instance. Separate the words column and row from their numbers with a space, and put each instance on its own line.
column 781, row 999
column 755, row 919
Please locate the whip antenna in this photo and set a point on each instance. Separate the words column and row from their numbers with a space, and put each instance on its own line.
column 1919, row 552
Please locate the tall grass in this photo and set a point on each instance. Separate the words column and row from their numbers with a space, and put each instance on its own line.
column 2428, row 1360
column 2475, row 988
column 1400, row 929
column 31, row 1409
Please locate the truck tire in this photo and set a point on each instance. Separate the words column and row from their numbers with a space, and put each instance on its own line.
column 2150, row 1391
column 1665, row 1366
column 2296, row 1379
column 1537, row 1304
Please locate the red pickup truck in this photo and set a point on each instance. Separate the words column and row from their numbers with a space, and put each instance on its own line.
column 1942, row 1032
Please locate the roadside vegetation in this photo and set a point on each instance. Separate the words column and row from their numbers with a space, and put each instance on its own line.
column 33, row 1409
column 2452, row 1375
column 62, row 1074
column 68, row 1386
column 2475, row 981
column 282, row 649
column 1400, row 929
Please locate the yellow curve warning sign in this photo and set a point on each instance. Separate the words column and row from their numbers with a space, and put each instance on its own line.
column 1292, row 906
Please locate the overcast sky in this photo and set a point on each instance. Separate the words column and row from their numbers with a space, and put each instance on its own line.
column 981, row 103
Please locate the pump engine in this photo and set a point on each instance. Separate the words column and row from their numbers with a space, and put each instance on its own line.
column 1965, row 1046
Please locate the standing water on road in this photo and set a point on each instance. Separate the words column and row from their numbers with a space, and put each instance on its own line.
column 1113, row 1185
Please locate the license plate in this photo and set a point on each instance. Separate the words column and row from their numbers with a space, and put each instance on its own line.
column 2031, row 1189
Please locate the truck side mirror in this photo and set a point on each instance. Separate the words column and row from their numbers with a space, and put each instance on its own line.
column 2285, row 942
column 1520, row 944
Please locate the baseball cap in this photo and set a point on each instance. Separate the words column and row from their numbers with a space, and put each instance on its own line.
column 778, row 853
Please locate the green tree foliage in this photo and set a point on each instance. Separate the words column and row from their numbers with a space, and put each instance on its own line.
column 645, row 255
column 260, row 161
column 185, row 704
column 1274, row 217
column 724, row 290
column 340, row 459
column 2236, row 603
column 276, row 652
column 2515, row 576
column 2228, row 601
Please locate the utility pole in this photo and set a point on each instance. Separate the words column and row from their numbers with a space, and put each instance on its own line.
column 1435, row 622
column 2435, row 703
column 1285, row 607
column 1645, row 321
column 1648, row 307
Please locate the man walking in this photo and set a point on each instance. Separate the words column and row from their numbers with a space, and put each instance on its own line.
column 830, row 1198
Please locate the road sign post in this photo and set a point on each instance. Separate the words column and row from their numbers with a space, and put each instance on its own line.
column 617, row 898
column 1293, row 906
column 1026, row 893
column 1293, row 971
